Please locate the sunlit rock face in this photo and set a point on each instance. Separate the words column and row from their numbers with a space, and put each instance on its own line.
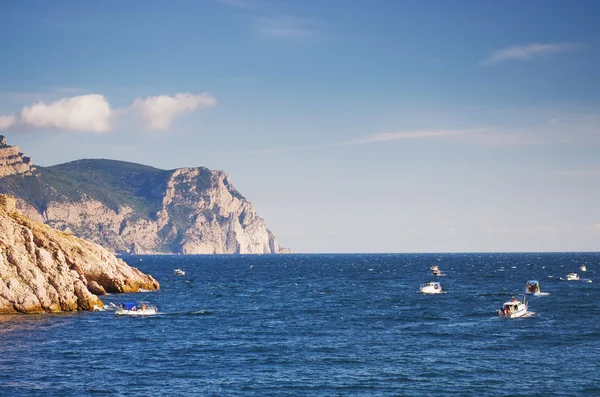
column 46, row 270
column 12, row 161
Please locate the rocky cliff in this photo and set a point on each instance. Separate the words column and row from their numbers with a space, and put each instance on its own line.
column 45, row 270
column 131, row 208
column 12, row 161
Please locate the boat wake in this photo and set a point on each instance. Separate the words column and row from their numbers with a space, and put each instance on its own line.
column 193, row 313
column 107, row 308
column 528, row 314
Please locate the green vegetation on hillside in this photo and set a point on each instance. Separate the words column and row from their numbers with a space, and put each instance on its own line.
column 114, row 183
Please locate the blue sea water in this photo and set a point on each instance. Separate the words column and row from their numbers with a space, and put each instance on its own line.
column 322, row 325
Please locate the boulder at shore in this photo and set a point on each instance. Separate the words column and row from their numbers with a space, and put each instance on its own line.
column 45, row 270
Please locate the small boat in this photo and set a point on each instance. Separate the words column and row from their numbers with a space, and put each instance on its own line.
column 136, row 309
column 513, row 308
column 572, row 276
column 533, row 287
column 583, row 268
column 179, row 272
column 432, row 287
column 436, row 271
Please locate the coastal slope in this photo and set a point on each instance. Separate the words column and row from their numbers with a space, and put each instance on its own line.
column 136, row 209
column 45, row 270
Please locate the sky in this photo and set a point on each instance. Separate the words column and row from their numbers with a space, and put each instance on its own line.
column 352, row 126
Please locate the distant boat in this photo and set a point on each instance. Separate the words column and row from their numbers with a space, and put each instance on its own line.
column 572, row 276
column 513, row 308
column 179, row 272
column 532, row 287
column 432, row 287
column 136, row 309
column 583, row 268
column 436, row 271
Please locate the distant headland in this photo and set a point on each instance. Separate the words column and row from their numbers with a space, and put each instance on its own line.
column 131, row 208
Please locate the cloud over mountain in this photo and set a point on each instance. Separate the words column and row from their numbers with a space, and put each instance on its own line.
column 158, row 111
column 87, row 113
column 92, row 113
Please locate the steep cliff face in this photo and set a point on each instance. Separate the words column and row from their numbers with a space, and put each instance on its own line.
column 129, row 208
column 45, row 270
column 12, row 161
column 202, row 213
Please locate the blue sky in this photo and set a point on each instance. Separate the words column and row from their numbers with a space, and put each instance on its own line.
column 352, row 126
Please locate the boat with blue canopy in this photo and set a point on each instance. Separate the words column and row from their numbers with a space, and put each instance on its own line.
column 136, row 309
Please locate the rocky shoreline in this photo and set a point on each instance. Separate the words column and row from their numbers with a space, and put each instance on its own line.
column 45, row 270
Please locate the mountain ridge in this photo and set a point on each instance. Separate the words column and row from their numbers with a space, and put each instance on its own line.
column 133, row 208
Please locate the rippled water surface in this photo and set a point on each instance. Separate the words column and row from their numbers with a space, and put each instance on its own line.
column 322, row 325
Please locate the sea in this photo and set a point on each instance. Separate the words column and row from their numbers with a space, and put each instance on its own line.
column 322, row 325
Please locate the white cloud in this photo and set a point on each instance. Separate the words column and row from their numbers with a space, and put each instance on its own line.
column 530, row 51
column 6, row 122
column 93, row 113
column 84, row 113
column 158, row 111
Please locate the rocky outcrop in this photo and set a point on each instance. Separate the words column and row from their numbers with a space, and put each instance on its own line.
column 12, row 161
column 198, row 212
column 45, row 270
column 204, row 214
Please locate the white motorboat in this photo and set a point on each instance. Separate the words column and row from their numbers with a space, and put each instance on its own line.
column 436, row 271
column 136, row 309
column 179, row 272
column 514, row 308
column 583, row 268
column 432, row 287
column 572, row 276
column 533, row 287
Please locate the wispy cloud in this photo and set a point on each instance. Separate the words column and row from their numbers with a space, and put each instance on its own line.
column 268, row 22
column 530, row 51
column 286, row 27
column 243, row 4
column 505, row 127
column 370, row 139
column 590, row 172
column 6, row 122
column 395, row 136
